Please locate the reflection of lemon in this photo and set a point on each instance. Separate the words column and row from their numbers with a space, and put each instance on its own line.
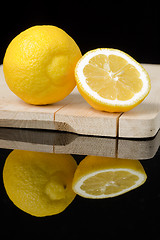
column 39, row 183
column 39, row 64
column 111, row 80
column 101, row 177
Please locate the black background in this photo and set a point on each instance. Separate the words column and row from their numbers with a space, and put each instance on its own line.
column 131, row 26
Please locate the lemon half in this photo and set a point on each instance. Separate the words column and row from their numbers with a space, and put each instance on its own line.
column 111, row 80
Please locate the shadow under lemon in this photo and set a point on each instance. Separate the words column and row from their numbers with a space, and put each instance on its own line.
column 39, row 183
column 44, row 184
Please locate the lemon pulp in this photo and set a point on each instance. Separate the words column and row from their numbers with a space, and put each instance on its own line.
column 112, row 77
column 109, row 182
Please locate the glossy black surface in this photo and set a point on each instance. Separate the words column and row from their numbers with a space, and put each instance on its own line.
column 132, row 27
column 135, row 213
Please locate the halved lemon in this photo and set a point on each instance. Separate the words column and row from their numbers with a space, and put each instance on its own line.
column 111, row 80
column 102, row 177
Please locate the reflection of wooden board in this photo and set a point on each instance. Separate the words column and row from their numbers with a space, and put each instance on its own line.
column 74, row 114
column 70, row 143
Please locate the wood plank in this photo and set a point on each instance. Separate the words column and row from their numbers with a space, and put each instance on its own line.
column 79, row 117
column 144, row 120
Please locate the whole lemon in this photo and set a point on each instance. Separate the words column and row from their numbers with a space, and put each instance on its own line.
column 39, row 183
column 39, row 64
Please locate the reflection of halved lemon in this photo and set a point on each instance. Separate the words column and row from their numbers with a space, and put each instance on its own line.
column 39, row 183
column 111, row 80
column 101, row 177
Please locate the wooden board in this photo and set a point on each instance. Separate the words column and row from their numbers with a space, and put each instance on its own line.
column 74, row 114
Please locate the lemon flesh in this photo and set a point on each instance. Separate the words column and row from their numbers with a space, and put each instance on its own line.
column 112, row 77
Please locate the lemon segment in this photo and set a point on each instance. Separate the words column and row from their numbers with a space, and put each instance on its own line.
column 110, row 80
column 101, row 177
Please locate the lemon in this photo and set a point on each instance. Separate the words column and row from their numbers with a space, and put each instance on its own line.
column 111, row 80
column 102, row 177
column 39, row 64
column 39, row 183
